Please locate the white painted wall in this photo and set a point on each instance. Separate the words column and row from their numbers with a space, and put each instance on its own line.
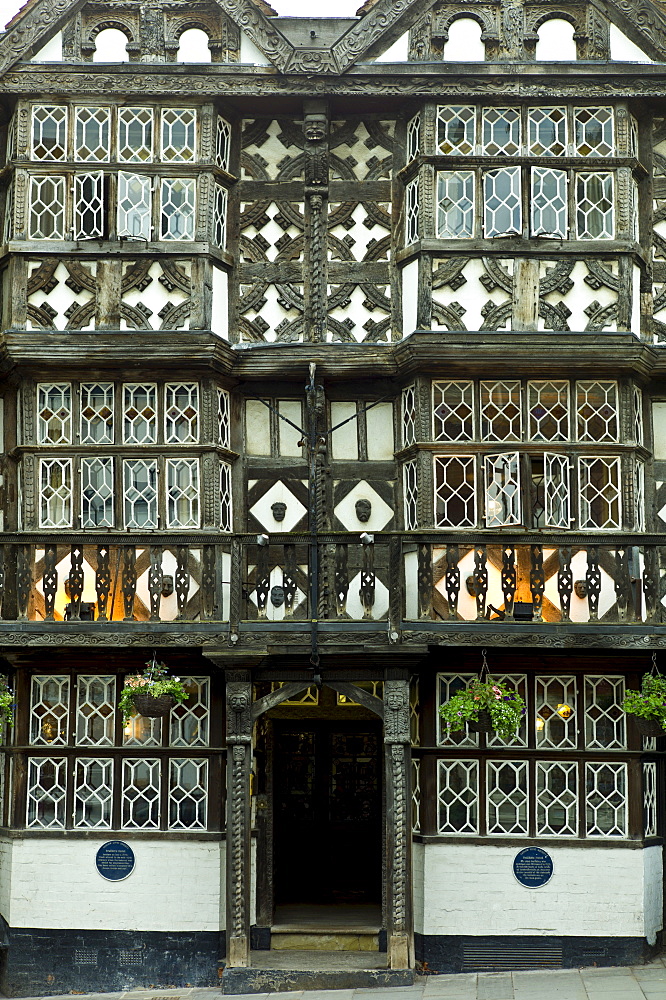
column 175, row 886
column 51, row 52
column 289, row 436
column 398, row 52
column 636, row 301
column 659, row 430
column 257, row 428
column 653, row 888
column 380, row 432
column 249, row 53
column 471, row 889
column 464, row 44
column 344, row 442
column 622, row 49
column 410, row 285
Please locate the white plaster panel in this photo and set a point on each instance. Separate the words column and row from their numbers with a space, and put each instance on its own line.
column 358, row 312
column 344, row 442
column 379, row 422
column 219, row 322
column 271, row 231
column 471, row 889
column 398, row 52
column 257, row 428
column 175, row 886
column 653, row 887
column 278, row 493
column 659, row 429
column 361, row 234
column 636, row 301
column 289, row 436
column 271, row 149
column 61, row 297
column 472, row 295
column 249, row 53
column 155, row 296
column 168, row 605
column 272, row 312
column 276, row 579
column 410, row 287
column 411, row 565
column 380, row 515
column 580, row 611
column 581, row 295
column 417, row 876
column 354, row 607
column 359, row 149
column 556, row 42
column 464, row 43
column 51, row 52
column 622, row 49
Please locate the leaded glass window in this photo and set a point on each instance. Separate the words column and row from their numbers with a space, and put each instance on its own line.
column 49, row 132
column 409, row 415
column 181, row 414
column 410, row 488
column 547, row 129
column 188, row 794
column 507, row 797
column 177, row 209
column 226, row 500
column 182, row 492
column 639, row 496
column 455, row 129
column 88, row 206
column 49, row 709
column 93, row 793
column 594, row 131
column 502, row 204
column 556, row 716
column 55, row 493
column 190, row 720
column 135, row 135
column 455, row 204
column 223, row 418
column 95, row 710
column 502, row 490
column 501, row 131
column 96, row 492
column 46, row 792
column 412, row 211
column 604, row 718
column 557, row 490
column 140, row 493
column 141, row 794
column 518, row 684
column 179, row 134
column 548, row 410
column 223, row 144
column 606, row 799
column 594, row 206
column 501, row 412
column 557, row 799
column 453, row 411
column 416, row 795
column 96, row 413
column 455, row 491
column 549, row 202
column 447, row 686
column 597, row 411
column 54, row 413
column 140, row 413
column 650, row 798
column 92, row 134
column 600, row 492
column 637, row 403
column 413, row 138
column 134, row 206
column 457, row 796
column 47, row 208
column 220, row 217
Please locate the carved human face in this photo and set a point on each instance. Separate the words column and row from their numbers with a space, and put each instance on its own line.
column 238, row 702
column 167, row 585
column 363, row 509
column 279, row 509
column 277, row 596
column 580, row 588
column 315, row 127
column 395, row 701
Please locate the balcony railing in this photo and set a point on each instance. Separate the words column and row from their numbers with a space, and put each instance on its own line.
column 413, row 576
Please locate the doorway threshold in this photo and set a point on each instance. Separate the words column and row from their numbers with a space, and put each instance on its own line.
column 288, row 971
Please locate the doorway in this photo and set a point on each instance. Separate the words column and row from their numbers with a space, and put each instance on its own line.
column 328, row 813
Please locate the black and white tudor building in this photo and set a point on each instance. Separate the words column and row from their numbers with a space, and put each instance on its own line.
column 330, row 360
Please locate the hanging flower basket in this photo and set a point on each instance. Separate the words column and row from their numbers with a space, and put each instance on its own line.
column 152, row 693
column 648, row 727
column 486, row 706
column 647, row 707
column 482, row 724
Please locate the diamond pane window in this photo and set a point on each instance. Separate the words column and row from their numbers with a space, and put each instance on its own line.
column 633, row 136
column 223, row 418
column 455, row 204
column 453, row 411
column 410, row 489
column 549, row 202
column 600, row 493
column 47, row 208
column 557, row 492
column 518, row 684
column 502, row 492
column 455, row 491
column 548, row 410
column 135, row 135
column 181, row 416
column 501, row 131
column 557, row 799
column 639, row 496
column 594, row 206
column 93, row 129
column 93, row 793
column 223, row 144
column 220, row 217
column 134, row 206
column 96, row 413
column 556, row 725
column 54, row 413
column 606, row 805
column 189, row 721
column 507, row 797
column 188, row 794
column 179, row 134
column 49, row 132
column 547, row 129
column 177, row 209
column 457, row 796
column 650, row 798
column 413, row 138
column 95, row 710
column 226, row 507
column 141, row 731
column 597, row 411
column 141, row 794
column 637, row 401
column 501, row 412
column 447, row 686
column 182, row 492
column 502, row 208
column 409, row 415
column 140, row 493
column 49, row 709
column 416, row 795
column 88, row 206
column 55, row 493
column 594, row 131
column 47, row 777
column 412, row 211
column 96, row 492
column 455, row 129
column 140, row 413
column 604, row 718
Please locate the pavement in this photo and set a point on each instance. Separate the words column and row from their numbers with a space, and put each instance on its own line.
column 642, row 982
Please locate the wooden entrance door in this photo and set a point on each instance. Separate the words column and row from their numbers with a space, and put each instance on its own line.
column 328, row 834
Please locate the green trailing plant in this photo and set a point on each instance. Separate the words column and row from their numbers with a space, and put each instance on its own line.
column 650, row 701
column 6, row 702
column 154, row 681
column 505, row 706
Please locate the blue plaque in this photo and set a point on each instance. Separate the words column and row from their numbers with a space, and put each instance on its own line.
column 533, row 867
column 115, row 860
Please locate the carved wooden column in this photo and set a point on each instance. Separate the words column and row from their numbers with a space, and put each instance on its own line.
column 399, row 915
column 239, row 760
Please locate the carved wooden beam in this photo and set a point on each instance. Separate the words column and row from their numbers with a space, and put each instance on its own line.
column 643, row 21
column 35, row 29
column 377, row 30
column 260, row 29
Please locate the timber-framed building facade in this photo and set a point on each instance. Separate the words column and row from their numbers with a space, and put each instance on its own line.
column 332, row 365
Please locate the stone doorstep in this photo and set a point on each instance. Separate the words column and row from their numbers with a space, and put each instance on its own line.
column 286, row 939
column 236, row 981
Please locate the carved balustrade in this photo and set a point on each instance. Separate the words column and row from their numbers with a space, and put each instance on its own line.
column 441, row 577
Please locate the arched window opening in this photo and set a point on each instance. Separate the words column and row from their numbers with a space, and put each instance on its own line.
column 464, row 44
column 556, row 41
column 193, row 47
column 111, row 46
